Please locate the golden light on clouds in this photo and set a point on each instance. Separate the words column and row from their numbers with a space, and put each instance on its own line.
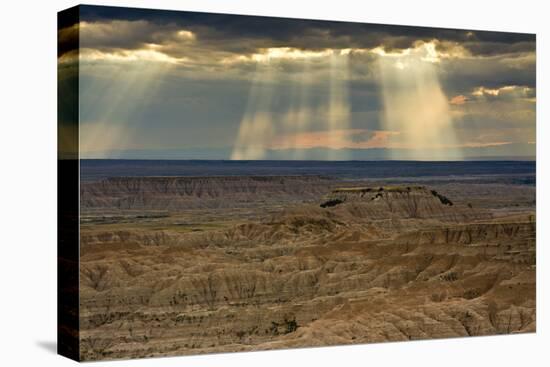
column 288, row 53
column 336, row 88
column 512, row 90
column 459, row 100
column 362, row 139
column 148, row 54
column 433, row 51
column 186, row 35
column 485, row 91
column 102, row 41
column 336, row 139
column 284, row 53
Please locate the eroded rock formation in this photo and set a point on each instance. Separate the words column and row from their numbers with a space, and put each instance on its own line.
column 397, row 263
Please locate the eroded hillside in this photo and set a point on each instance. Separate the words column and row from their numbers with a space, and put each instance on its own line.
column 378, row 263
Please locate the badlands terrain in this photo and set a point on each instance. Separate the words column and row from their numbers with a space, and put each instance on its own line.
column 187, row 265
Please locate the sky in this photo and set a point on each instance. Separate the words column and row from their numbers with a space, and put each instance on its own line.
column 183, row 85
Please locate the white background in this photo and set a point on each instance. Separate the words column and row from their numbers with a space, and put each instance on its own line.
column 28, row 182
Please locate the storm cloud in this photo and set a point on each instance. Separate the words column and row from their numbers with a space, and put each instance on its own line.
column 152, row 79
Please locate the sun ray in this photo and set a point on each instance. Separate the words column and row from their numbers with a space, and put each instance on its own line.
column 299, row 117
column 338, row 106
column 415, row 106
column 256, row 128
column 108, row 130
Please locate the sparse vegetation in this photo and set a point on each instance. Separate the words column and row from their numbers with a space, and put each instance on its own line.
column 289, row 325
column 207, row 289
column 443, row 199
column 331, row 203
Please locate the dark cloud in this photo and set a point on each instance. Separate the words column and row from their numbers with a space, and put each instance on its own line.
column 462, row 76
column 67, row 31
column 245, row 34
column 491, row 48
column 200, row 102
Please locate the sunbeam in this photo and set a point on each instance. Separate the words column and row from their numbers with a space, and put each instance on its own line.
column 299, row 116
column 262, row 129
column 339, row 108
column 256, row 128
column 416, row 107
column 125, row 86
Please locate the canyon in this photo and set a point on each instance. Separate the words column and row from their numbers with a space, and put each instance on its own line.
column 186, row 265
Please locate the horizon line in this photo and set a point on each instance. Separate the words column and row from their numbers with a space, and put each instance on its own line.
column 471, row 159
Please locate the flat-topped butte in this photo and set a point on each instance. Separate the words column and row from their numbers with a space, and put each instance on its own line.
column 378, row 189
column 340, row 195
